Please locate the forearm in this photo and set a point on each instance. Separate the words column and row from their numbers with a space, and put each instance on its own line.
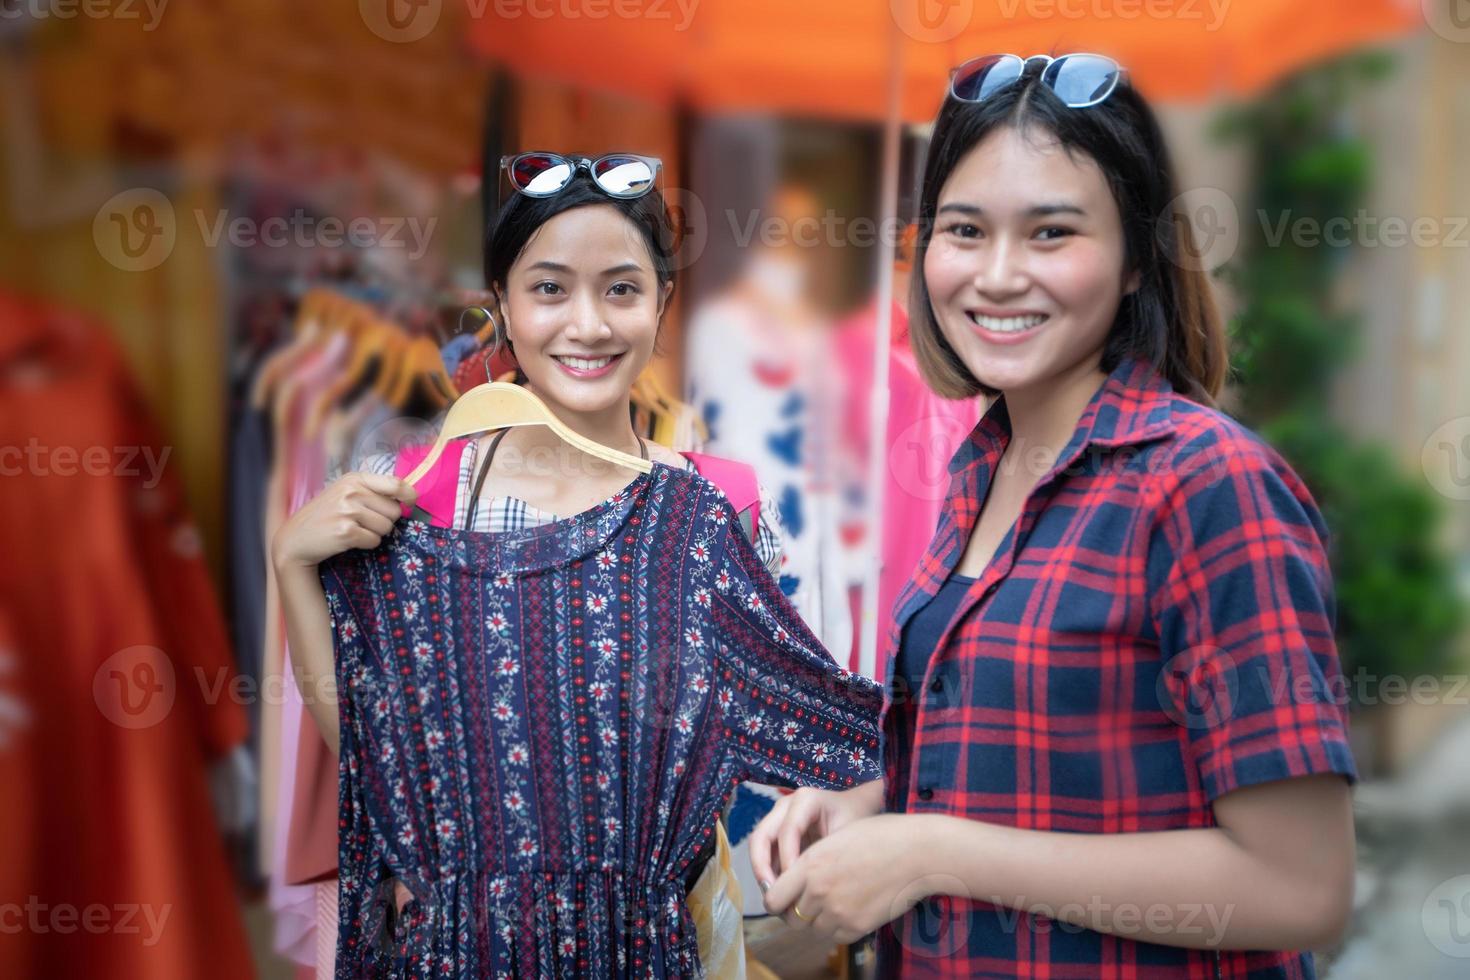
column 1194, row 888
column 309, row 633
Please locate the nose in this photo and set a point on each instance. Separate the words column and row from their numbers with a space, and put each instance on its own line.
column 1001, row 271
column 588, row 326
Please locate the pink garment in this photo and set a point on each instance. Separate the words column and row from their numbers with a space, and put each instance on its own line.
column 924, row 430
column 295, row 906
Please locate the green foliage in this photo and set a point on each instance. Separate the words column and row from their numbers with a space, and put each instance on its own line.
column 1397, row 605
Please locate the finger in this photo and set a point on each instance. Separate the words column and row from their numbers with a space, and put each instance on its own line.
column 810, row 911
column 378, row 503
column 358, row 536
column 788, row 840
column 389, row 486
column 762, row 839
column 784, row 890
column 372, row 521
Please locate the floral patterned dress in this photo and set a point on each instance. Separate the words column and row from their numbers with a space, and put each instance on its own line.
column 538, row 742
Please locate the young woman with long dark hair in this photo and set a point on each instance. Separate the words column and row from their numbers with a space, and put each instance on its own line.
column 1110, row 745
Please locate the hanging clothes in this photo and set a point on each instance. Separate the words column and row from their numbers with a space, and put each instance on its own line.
column 922, row 432
column 537, row 742
column 300, row 475
column 758, row 387
column 125, row 669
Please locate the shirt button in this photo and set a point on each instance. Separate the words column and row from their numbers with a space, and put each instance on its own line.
column 926, row 794
column 936, row 685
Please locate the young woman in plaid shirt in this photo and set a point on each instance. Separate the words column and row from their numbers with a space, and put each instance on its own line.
column 1112, row 744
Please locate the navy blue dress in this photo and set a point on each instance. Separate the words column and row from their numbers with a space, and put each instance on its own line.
column 540, row 727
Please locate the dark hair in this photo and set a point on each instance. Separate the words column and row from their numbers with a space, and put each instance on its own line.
column 1171, row 319
column 522, row 216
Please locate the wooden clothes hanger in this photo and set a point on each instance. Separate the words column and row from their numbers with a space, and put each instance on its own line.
column 423, row 367
column 503, row 406
column 308, row 333
column 372, row 340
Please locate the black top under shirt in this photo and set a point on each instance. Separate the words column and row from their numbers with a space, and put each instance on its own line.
column 921, row 635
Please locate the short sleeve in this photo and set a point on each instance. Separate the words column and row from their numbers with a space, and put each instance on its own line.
column 794, row 716
column 1242, row 602
column 379, row 464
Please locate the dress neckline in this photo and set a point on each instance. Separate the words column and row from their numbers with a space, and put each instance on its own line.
column 541, row 546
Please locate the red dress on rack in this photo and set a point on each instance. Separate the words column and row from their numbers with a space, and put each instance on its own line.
column 108, row 839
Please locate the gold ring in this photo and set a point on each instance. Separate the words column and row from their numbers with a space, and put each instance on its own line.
column 797, row 910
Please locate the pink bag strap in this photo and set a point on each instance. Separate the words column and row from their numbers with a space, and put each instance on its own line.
column 439, row 488
column 738, row 482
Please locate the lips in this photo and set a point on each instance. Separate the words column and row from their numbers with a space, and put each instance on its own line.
column 586, row 363
column 588, row 367
column 1011, row 324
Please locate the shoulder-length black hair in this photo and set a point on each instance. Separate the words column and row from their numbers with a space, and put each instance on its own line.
column 1171, row 318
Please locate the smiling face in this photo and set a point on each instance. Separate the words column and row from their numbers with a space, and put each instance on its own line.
column 1025, row 268
column 582, row 304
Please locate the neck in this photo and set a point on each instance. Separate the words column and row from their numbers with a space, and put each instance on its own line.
column 1044, row 415
column 611, row 427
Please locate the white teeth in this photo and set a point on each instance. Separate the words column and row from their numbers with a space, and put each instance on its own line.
column 1008, row 324
column 583, row 364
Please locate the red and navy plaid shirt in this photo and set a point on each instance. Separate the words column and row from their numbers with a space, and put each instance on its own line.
column 1156, row 630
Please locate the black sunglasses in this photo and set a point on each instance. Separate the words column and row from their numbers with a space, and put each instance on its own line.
column 621, row 175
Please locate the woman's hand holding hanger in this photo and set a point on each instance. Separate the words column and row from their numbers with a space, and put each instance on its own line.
column 355, row 511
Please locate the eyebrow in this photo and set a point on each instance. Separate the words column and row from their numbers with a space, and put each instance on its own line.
column 1035, row 211
column 616, row 270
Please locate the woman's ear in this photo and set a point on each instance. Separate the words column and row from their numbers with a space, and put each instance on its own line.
column 1135, row 279
column 665, row 291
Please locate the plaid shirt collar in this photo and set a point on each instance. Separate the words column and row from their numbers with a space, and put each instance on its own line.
column 1133, row 406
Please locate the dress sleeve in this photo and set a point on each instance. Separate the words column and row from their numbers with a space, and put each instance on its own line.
column 795, row 717
column 1242, row 602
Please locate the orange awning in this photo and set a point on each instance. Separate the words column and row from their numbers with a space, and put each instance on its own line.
column 832, row 58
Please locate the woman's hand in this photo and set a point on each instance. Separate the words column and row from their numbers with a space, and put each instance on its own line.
column 802, row 818
column 853, row 881
column 355, row 511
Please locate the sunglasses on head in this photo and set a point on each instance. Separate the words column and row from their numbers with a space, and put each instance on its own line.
column 621, row 175
column 1079, row 80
